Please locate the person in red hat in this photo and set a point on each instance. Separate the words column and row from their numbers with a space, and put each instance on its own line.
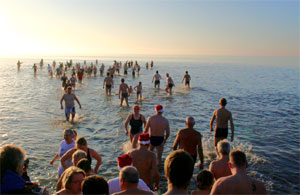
column 136, row 122
column 145, row 162
column 158, row 126
column 114, row 184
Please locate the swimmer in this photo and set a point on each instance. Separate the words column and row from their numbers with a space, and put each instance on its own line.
column 170, row 84
column 64, row 79
column 187, row 79
column 69, row 104
column 159, row 131
column 19, row 64
column 34, row 68
column 222, row 116
column 138, row 89
column 151, row 65
column 73, row 81
column 102, row 69
column 109, row 83
column 156, row 78
column 124, row 92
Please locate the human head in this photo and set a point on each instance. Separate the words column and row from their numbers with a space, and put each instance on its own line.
column 136, row 109
column 94, row 184
column 205, row 180
column 12, row 158
column 68, row 135
column 128, row 176
column 75, row 134
column 144, row 139
column 81, row 143
column 186, row 72
column 157, row 72
column 223, row 147
column 77, row 156
column 222, row 102
column 72, row 179
column 124, row 160
column 190, row 122
column 122, row 80
column 179, row 167
column 159, row 109
column 84, row 164
column 167, row 74
column 140, row 83
column 238, row 159
column 69, row 90
column 107, row 74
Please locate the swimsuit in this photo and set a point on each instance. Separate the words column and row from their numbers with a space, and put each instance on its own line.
column 69, row 111
column 156, row 140
column 88, row 156
column 170, row 85
column 125, row 72
column 108, row 86
column 136, row 125
column 138, row 92
column 221, row 132
column 157, row 82
column 124, row 95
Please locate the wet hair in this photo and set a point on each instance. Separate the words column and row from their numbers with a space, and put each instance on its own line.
column 157, row 71
column 205, row 180
column 84, row 164
column 81, row 141
column 140, row 82
column 223, row 101
column 94, row 184
column 129, row 174
column 69, row 174
column 79, row 154
column 122, row 80
column 11, row 157
column 223, row 147
column 179, row 167
column 238, row 158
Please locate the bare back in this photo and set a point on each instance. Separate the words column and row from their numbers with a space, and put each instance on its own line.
column 108, row 80
column 145, row 162
column 158, row 125
column 220, row 168
column 222, row 116
column 189, row 140
column 123, row 88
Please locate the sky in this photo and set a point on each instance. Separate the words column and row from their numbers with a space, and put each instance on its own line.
column 149, row 27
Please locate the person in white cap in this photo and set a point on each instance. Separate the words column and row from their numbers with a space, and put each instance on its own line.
column 114, row 184
column 158, row 126
column 145, row 162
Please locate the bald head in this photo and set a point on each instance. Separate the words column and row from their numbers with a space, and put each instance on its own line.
column 129, row 174
column 190, row 121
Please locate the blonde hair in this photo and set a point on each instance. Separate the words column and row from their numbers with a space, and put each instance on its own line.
column 79, row 154
column 68, row 175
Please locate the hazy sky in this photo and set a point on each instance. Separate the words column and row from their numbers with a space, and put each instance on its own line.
column 149, row 27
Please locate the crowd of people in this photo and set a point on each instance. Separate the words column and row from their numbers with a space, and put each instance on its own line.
column 139, row 168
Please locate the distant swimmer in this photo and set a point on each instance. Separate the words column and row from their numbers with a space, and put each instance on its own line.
column 102, row 69
column 136, row 122
column 124, row 92
column 125, row 69
column 69, row 104
column 222, row 116
column 239, row 182
column 42, row 62
column 147, row 65
column 133, row 72
column 68, row 84
column 190, row 141
column 64, row 79
column 156, row 78
column 159, row 131
column 108, row 83
column 151, row 65
column 34, row 68
column 19, row 64
column 80, row 74
column 95, row 71
column 139, row 90
column 187, row 79
column 170, row 84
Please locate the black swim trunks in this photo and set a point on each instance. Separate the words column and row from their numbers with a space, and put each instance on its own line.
column 221, row 132
column 170, row 85
column 187, row 82
column 124, row 95
column 157, row 82
column 194, row 158
column 156, row 140
column 108, row 86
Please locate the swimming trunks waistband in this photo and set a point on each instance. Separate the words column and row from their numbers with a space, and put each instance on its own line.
column 157, row 82
column 156, row 140
column 108, row 86
column 124, row 95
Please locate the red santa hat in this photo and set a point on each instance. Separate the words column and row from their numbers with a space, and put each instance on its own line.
column 124, row 160
column 144, row 138
column 159, row 108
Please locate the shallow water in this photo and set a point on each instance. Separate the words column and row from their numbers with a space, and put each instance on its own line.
column 264, row 101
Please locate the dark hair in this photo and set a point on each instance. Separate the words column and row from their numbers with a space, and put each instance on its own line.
column 205, row 180
column 122, row 80
column 223, row 101
column 157, row 71
column 238, row 158
column 81, row 141
column 84, row 164
column 107, row 74
column 186, row 72
column 179, row 167
column 94, row 184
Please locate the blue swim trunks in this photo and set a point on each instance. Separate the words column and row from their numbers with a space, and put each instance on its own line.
column 69, row 111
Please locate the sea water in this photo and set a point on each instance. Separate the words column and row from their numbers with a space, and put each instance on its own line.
column 263, row 99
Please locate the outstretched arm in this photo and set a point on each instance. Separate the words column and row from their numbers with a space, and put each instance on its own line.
column 66, row 156
column 175, row 144
column 126, row 124
column 56, row 157
column 78, row 102
column 98, row 158
column 61, row 100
